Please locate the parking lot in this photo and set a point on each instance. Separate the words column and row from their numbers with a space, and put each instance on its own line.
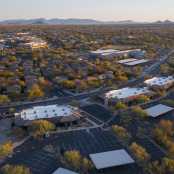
column 94, row 141
column 155, row 152
column 98, row 112
column 39, row 162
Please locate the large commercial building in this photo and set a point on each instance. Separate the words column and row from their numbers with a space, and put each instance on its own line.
column 36, row 44
column 123, row 61
column 125, row 94
column 164, row 82
column 136, row 62
column 28, row 41
column 104, row 53
column 58, row 113
column 133, row 62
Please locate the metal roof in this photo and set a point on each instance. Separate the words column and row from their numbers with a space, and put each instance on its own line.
column 63, row 171
column 126, row 60
column 111, row 159
column 158, row 110
column 137, row 62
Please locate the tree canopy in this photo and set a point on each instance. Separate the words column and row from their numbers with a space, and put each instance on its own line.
column 35, row 92
column 6, row 149
column 40, row 127
column 15, row 169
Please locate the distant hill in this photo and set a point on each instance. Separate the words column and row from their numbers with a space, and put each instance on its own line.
column 165, row 22
column 57, row 21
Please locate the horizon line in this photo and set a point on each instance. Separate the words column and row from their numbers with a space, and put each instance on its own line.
column 35, row 18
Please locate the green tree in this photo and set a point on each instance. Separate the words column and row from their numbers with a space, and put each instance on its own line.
column 139, row 152
column 77, row 161
column 166, row 166
column 86, row 165
column 15, row 169
column 168, row 102
column 12, row 59
column 6, row 149
column 70, row 84
column 139, row 112
column 120, row 106
column 40, row 127
column 154, row 168
column 121, row 132
column 35, row 92
column 74, row 158
column 163, row 131
column 4, row 99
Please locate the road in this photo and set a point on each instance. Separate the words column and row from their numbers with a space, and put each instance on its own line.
column 56, row 100
column 60, row 100
column 151, row 70
column 155, row 67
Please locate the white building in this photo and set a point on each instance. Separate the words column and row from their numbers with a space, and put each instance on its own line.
column 117, row 53
column 36, row 44
column 132, row 61
column 160, row 81
column 22, row 34
column 133, row 53
column 125, row 94
column 111, row 159
column 46, row 112
column 136, row 62
column 103, row 53
column 63, row 114
column 123, row 61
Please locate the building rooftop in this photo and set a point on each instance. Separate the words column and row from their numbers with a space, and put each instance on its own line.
column 63, row 171
column 160, row 81
column 36, row 43
column 158, row 110
column 50, row 111
column 104, row 51
column 136, row 62
column 111, row 159
column 126, row 60
column 126, row 92
column 128, row 51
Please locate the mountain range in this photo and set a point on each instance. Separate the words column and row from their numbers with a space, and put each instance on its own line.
column 72, row 21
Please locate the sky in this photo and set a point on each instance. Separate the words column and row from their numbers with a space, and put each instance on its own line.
column 105, row 10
